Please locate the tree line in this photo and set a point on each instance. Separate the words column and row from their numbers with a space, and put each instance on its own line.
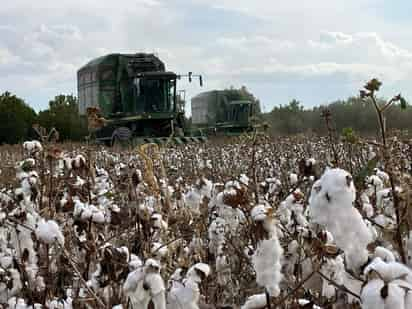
column 354, row 113
column 17, row 117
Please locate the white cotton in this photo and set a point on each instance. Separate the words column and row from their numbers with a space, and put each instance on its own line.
column 259, row 212
column 368, row 210
column 244, row 179
column 216, row 234
column 135, row 262
column 375, row 183
column 385, row 221
column 206, row 187
column 293, row 178
column 61, row 304
column 158, row 222
column 79, row 182
column 198, row 267
column 371, row 296
column 389, row 271
column 49, row 231
column 233, row 184
column 310, row 162
column 381, row 174
column 98, row 217
column 331, row 206
column 372, row 230
column 267, row 264
column 192, row 200
column 290, row 208
column 187, row 294
column 257, row 301
column 383, row 198
column 144, row 285
column 384, row 254
column 32, row 146
column 159, row 250
column 303, row 302
column 334, row 269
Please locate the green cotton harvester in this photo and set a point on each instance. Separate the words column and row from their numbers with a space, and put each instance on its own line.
column 223, row 112
column 138, row 100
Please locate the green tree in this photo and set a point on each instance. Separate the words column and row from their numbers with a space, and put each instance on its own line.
column 16, row 119
column 63, row 115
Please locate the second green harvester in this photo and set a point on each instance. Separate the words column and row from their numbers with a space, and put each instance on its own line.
column 215, row 112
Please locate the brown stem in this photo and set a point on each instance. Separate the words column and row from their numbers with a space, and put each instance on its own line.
column 396, row 203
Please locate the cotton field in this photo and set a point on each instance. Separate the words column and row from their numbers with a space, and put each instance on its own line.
column 252, row 222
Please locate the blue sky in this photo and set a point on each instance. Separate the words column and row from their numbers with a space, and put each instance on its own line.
column 315, row 51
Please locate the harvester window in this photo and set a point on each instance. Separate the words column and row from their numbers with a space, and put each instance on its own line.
column 154, row 95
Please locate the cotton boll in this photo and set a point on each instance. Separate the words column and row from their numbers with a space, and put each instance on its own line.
column 244, row 179
column 259, row 212
column 292, row 208
column 257, row 301
column 304, row 302
column 389, row 271
column 192, row 200
column 32, row 147
column 385, row 221
column 368, row 209
column 216, row 234
column 144, row 285
column 206, row 187
column 334, row 269
column 293, row 178
column 98, row 217
column 374, row 184
column 159, row 250
column 49, row 231
column 381, row 174
column 383, row 198
column 384, row 254
column 187, row 294
column 372, row 296
column 158, row 223
column 266, row 259
column 135, row 262
column 331, row 206
column 266, row 262
column 372, row 230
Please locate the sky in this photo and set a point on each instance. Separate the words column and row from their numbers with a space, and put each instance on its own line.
column 315, row 51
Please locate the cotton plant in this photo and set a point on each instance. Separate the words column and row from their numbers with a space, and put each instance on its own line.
column 32, row 148
column 217, row 235
column 331, row 205
column 389, row 285
column 49, row 232
column 267, row 258
column 333, row 269
column 232, row 214
column 185, row 293
column 144, row 285
column 291, row 211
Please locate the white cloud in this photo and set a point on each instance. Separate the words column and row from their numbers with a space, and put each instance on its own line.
column 270, row 44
